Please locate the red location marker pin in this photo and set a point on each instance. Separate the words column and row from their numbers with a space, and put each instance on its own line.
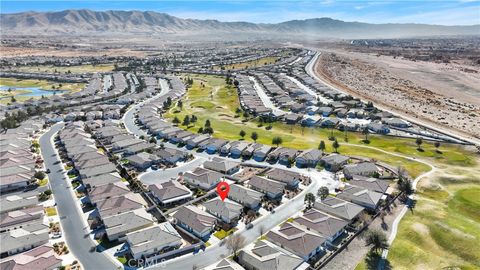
column 222, row 189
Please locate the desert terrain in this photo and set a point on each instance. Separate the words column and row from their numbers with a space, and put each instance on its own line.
column 437, row 94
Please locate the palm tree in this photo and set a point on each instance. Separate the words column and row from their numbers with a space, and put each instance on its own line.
column 335, row 145
column 405, row 186
column 254, row 136
column 309, row 200
column 242, row 133
column 377, row 239
column 323, row 192
column 321, row 146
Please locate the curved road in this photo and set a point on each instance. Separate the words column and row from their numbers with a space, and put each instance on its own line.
column 75, row 229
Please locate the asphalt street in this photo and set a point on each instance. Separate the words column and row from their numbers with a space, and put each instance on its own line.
column 74, row 226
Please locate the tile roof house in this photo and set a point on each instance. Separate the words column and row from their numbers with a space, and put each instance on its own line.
column 308, row 158
column 117, row 226
column 195, row 220
column 290, row 178
column 271, row 188
column 107, row 191
column 363, row 169
column 245, row 196
column 101, row 180
column 18, row 201
column 228, row 211
column 203, row 178
column 18, row 218
column 338, row 208
column 117, row 205
column 41, row 258
column 297, row 240
column 334, row 162
column 266, row 256
column 361, row 196
column 29, row 236
column 221, row 165
column 153, row 240
column 170, row 192
column 370, row 183
column 328, row 226
column 224, row 264
column 142, row 160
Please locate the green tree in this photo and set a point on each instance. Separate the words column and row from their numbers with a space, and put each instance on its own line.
column 377, row 239
column 277, row 140
column 335, row 145
column 365, row 132
column 186, row 120
column 254, row 136
column 309, row 200
column 323, row 192
column 176, row 120
column 321, row 146
column 242, row 133
column 180, row 104
column 207, row 123
column 419, row 142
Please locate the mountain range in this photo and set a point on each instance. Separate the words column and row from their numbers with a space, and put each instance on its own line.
column 89, row 22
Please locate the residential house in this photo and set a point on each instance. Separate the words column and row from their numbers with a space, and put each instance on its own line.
column 170, row 192
column 328, row 226
column 117, row 226
column 42, row 257
column 361, row 196
column 22, row 239
column 297, row 240
column 203, row 178
column 367, row 169
column 334, row 162
column 195, row 220
column 369, row 183
column 18, row 218
column 169, row 155
column 308, row 158
column 153, row 240
column 142, row 161
column 272, row 189
column 224, row 166
column 338, row 208
column 245, row 196
column 108, row 191
column 261, row 153
column 266, row 256
column 290, row 178
column 228, row 211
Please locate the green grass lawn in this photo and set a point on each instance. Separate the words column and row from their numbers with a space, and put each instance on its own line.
column 222, row 233
column 250, row 64
column 444, row 229
column 43, row 182
column 51, row 211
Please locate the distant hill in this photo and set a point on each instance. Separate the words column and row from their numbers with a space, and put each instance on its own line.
column 81, row 22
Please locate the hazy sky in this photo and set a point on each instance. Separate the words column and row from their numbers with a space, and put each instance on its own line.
column 463, row 12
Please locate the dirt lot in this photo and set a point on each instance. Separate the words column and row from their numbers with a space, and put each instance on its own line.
column 441, row 94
